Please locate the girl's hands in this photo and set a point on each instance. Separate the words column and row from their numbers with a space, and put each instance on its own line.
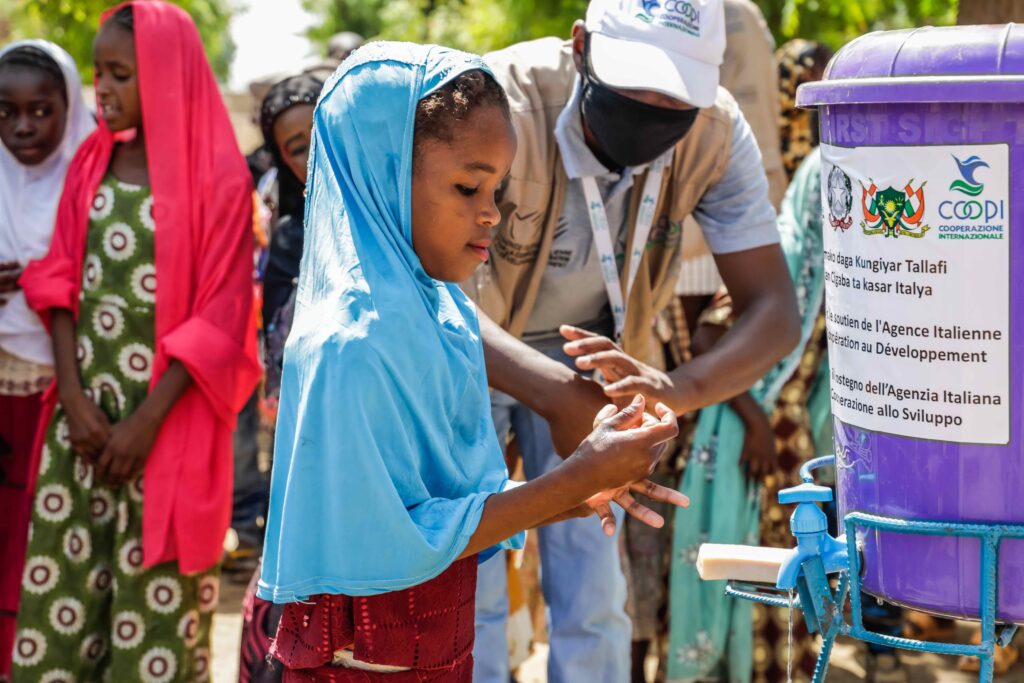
column 759, row 456
column 623, row 496
column 625, row 447
column 620, row 454
column 127, row 449
column 118, row 451
column 601, row 504
column 10, row 271
column 132, row 439
column 88, row 426
column 572, row 513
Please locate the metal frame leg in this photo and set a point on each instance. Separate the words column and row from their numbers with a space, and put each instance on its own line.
column 989, row 603
column 821, row 667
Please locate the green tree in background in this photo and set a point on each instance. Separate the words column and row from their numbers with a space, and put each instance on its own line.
column 477, row 25
column 72, row 24
column 361, row 16
column 482, row 25
column 836, row 22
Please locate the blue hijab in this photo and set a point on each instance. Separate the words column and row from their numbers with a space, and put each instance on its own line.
column 385, row 450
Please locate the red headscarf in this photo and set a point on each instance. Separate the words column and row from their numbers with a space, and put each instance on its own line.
column 202, row 206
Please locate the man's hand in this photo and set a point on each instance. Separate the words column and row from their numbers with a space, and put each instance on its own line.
column 625, row 375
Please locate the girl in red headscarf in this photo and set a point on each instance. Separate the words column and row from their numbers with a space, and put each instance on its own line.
column 147, row 293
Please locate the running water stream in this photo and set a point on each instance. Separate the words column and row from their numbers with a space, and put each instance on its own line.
column 789, row 660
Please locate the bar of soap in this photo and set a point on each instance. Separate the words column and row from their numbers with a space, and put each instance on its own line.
column 750, row 563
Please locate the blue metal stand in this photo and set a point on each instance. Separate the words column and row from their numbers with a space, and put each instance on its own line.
column 819, row 556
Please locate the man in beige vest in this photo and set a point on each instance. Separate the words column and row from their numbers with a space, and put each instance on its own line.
column 623, row 132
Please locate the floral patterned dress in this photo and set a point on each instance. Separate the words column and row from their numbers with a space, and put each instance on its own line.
column 89, row 610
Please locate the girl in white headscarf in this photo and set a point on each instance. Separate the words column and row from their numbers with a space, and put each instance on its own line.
column 43, row 119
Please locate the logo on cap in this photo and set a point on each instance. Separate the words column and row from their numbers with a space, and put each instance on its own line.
column 648, row 7
column 678, row 14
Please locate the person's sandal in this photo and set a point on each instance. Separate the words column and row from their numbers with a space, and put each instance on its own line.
column 1005, row 657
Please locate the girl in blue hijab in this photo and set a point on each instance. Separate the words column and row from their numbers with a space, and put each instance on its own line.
column 388, row 477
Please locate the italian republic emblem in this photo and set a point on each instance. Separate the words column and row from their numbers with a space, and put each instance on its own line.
column 840, row 199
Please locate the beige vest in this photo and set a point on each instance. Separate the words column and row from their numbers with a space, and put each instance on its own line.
column 538, row 77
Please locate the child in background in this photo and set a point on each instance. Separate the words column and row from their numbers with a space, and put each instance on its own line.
column 388, row 477
column 286, row 119
column 43, row 120
column 149, row 376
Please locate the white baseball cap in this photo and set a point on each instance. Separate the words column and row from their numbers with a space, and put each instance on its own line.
column 674, row 47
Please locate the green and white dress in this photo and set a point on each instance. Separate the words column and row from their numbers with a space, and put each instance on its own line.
column 89, row 611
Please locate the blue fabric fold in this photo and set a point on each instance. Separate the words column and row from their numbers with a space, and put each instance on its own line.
column 385, row 451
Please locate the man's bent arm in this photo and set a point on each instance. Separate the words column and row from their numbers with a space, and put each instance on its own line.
column 554, row 391
column 766, row 329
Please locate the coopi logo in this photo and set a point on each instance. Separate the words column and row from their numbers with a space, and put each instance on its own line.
column 967, row 184
column 681, row 15
column 971, row 219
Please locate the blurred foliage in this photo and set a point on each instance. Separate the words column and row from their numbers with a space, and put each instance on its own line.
column 835, row 22
column 72, row 24
column 477, row 25
column 482, row 25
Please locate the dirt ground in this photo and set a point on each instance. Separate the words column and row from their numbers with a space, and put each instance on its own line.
column 847, row 660
column 847, row 667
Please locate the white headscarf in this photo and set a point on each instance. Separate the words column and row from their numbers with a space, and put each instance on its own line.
column 28, row 208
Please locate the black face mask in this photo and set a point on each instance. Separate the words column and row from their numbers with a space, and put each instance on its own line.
column 630, row 133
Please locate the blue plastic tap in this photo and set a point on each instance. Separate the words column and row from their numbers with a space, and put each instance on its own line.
column 810, row 527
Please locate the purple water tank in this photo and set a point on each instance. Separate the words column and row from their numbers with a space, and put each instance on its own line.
column 923, row 194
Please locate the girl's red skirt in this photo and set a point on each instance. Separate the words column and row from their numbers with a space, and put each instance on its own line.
column 427, row 629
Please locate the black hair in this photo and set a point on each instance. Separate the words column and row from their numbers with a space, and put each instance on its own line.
column 282, row 96
column 30, row 57
column 293, row 91
column 124, row 17
column 438, row 112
